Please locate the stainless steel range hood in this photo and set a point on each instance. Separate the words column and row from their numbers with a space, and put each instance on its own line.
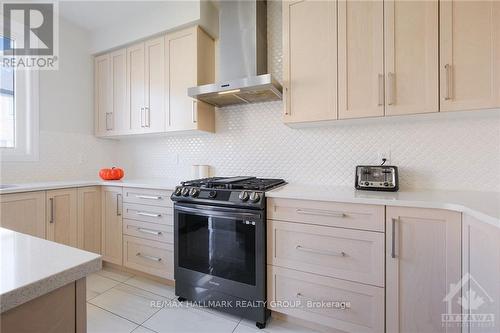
column 243, row 76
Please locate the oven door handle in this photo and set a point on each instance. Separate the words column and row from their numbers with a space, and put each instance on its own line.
column 217, row 213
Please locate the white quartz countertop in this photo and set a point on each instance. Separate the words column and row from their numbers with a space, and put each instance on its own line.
column 153, row 183
column 484, row 206
column 31, row 267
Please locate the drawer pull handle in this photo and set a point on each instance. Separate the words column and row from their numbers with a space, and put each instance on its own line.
column 149, row 197
column 393, row 240
column 320, row 213
column 148, row 214
column 325, row 252
column 145, row 256
column 149, row 231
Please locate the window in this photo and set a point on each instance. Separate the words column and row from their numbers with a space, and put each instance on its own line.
column 18, row 110
column 7, row 115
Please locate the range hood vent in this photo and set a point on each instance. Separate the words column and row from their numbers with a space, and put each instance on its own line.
column 242, row 74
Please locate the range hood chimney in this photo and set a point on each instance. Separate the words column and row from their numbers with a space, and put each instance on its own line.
column 243, row 76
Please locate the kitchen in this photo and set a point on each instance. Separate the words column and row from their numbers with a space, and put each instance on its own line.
column 134, row 89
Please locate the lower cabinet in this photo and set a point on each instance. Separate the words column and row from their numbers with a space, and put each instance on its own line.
column 423, row 258
column 112, row 221
column 481, row 274
column 155, row 258
column 343, row 305
column 62, row 216
column 23, row 212
column 148, row 231
column 326, row 263
column 89, row 218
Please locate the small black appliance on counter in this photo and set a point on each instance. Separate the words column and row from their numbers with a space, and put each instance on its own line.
column 377, row 178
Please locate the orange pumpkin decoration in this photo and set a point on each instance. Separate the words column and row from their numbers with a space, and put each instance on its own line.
column 111, row 174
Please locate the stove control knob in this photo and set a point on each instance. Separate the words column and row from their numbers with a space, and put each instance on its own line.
column 194, row 192
column 178, row 191
column 244, row 196
column 254, row 197
column 185, row 191
column 212, row 194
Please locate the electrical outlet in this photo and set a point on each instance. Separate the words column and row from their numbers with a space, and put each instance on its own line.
column 386, row 154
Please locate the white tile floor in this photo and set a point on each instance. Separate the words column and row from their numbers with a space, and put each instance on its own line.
column 120, row 302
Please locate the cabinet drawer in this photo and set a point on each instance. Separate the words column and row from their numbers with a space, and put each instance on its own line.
column 354, row 255
column 157, row 232
column 151, row 214
column 366, row 217
column 147, row 197
column 364, row 305
column 149, row 256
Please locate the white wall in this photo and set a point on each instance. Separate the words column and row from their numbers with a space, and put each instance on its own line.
column 452, row 151
column 67, row 147
column 447, row 151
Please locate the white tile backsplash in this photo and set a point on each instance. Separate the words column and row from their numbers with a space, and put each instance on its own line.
column 461, row 151
column 443, row 151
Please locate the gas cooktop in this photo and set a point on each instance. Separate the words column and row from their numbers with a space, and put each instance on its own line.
column 245, row 192
column 236, row 183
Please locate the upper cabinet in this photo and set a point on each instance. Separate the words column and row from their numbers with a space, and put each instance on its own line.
column 411, row 57
column 470, row 55
column 361, row 59
column 142, row 89
column 102, row 96
column 354, row 59
column 310, row 57
column 189, row 62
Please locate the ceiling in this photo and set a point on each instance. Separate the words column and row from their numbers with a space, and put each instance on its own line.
column 95, row 15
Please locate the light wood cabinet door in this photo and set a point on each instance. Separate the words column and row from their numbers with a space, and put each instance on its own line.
column 423, row 257
column 361, row 59
column 89, row 219
column 62, row 216
column 154, row 113
column 310, row 60
column 112, row 224
column 411, row 57
column 120, row 118
column 136, row 87
column 481, row 272
column 470, row 55
column 102, row 95
column 189, row 62
column 23, row 212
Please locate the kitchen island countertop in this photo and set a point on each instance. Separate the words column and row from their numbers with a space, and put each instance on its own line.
column 31, row 267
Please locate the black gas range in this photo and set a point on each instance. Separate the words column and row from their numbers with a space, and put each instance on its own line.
column 220, row 244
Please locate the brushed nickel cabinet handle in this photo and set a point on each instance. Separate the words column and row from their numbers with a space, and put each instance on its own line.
column 148, row 231
column 447, row 89
column 320, row 213
column 147, row 117
column 150, row 197
column 381, row 96
column 392, row 88
column 118, row 212
column 142, row 117
column 393, row 240
column 145, row 256
column 108, row 115
column 193, row 112
column 51, row 200
column 324, row 252
column 148, row 214
column 285, row 96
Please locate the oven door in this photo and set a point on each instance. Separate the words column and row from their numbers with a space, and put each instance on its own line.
column 220, row 249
